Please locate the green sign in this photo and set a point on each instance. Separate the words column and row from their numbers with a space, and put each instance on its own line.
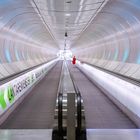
column 2, row 100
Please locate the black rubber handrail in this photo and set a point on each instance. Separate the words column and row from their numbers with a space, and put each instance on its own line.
column 79, row 113
column 60, row 114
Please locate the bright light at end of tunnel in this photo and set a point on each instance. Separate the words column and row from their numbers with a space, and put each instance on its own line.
column 64, row 54
column 67, row 14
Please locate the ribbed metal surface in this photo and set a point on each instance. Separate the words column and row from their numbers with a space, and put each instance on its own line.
column 100, row 112
column 37, row 110
column 111, row 41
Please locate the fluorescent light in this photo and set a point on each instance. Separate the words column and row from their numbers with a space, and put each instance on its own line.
column 67, row 14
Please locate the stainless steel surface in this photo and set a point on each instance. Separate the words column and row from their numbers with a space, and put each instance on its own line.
column 71, row 117
column 24, row 40
column 67, row 85
column 30, row 134
column 113, row 134
column 111, row 41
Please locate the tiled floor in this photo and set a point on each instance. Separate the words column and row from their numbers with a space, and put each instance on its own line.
column 114, row 134
column 23, row 134
column 92, row 134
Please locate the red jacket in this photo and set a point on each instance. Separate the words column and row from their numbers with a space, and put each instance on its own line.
column 74, row 60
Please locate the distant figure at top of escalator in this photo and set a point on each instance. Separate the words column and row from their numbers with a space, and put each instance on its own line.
column 74, row 60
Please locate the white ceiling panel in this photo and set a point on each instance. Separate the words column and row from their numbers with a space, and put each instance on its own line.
column 67, row 16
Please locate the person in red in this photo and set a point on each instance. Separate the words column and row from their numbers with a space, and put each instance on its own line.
column 74, row 60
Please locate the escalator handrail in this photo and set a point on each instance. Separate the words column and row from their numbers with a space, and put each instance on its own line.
column 60, row 115
column 79, row 113
column 79, row 103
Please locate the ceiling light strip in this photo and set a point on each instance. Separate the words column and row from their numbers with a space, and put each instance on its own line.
column 59, row 11
column 91, row 3
column 91, row 19
column 48, row 28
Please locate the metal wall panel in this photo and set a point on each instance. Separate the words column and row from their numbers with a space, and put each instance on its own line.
column 113, row 36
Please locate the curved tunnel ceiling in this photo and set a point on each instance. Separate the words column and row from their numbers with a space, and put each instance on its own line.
column 115, row 19
column 45, row 22
column 100, row 32
column 19, row 19
column 69, row 17
column 112, row 40
column 88, row 23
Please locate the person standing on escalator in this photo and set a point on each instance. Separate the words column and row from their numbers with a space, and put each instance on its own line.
column 74, row 60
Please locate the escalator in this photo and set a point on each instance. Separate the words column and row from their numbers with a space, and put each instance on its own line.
column 69, row 113
column 37, row 109
column 100, row 111
column 69, row 104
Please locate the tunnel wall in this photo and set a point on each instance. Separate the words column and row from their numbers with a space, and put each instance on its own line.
column 24, row 40
column 16, row 57
column 112, row 41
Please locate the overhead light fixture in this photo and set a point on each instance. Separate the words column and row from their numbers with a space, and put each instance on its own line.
column 67, row 14
column 69, row 2
column 66, row 35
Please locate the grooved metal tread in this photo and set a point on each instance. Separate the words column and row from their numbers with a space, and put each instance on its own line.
column 100, row 112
